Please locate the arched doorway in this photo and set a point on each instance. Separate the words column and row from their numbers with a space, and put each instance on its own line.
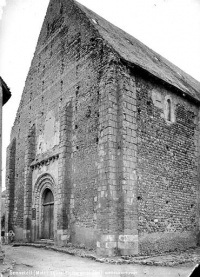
column 44, row 203
column 48, row 214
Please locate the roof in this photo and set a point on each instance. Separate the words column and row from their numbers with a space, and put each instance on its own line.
column 135, row 52
column 6, row 91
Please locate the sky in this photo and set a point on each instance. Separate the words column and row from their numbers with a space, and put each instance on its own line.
column 170, row 27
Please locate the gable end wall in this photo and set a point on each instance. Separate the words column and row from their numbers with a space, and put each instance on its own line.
column 66, row 68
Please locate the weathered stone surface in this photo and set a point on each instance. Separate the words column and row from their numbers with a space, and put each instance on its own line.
column 167, row 167
column 118, row 148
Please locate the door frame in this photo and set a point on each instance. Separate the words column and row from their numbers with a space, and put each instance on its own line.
column 49, row 204
column 43, row 182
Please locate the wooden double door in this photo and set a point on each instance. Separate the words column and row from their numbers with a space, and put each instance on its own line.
column 48, row 215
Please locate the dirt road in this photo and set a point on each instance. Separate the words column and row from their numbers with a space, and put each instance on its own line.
column 30, row 261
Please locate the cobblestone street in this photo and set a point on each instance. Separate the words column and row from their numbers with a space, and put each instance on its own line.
column 30, row 261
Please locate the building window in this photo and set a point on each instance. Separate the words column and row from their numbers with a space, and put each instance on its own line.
column 169, row 110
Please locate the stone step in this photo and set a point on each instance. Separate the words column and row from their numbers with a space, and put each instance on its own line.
column 44, row 241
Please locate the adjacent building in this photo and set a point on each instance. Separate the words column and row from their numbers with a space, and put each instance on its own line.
column 5, row 95
column 104, row 149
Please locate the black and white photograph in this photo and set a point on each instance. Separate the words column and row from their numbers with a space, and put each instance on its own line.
column 100, row 138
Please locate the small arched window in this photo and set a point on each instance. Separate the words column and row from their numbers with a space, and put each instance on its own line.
column 169, row 110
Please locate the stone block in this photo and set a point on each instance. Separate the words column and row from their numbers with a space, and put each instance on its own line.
column 98, row 244
column 108, row 238
column 128, row 238
column 111, row 245
column 65, row 237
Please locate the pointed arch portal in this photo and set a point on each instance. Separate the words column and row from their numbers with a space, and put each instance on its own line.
column 44, row 204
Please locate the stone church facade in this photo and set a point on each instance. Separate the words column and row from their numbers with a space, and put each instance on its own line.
column 104, row 150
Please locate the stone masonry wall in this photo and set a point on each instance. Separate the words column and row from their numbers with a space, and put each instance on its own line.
column 117, row 202
column 29, row 157
column 120, row 152
column 128, row 237
column 10, row 185
column 108, row 217
column 167, row 173
column 67, row 67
